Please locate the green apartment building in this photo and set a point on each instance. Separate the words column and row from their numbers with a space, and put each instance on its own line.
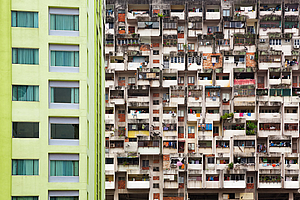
column 52, row 100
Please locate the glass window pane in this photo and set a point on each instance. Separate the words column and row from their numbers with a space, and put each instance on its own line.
column 65, row 58
column 25, row 93
column 64, row 131
column 25, row 167
column 64, row 22
column 24, row 19
column 25, row 129
column 64, row 95
column 25, row 56
column 64, row 168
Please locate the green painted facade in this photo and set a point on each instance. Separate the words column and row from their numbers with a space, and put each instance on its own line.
column 91, row 112
column 5, row 99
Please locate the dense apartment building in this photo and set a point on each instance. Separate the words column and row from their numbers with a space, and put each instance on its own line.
column 202, row 99
column 52, row 81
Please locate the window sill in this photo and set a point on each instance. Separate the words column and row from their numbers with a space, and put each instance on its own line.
column 64, row 106
column 64, row 69
column 63, row 178
column 63, row 33
column 66, row 142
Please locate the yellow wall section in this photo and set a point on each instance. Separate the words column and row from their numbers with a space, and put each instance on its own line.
column 133, row 134
column 5, row 99
column 39, row 111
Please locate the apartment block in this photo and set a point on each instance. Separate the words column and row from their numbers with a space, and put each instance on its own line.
column 52, row 81
column 202, row 99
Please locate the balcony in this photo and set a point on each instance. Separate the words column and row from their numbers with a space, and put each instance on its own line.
column 212, row 15
column 180, row 15
column 109, row 118
column 178, row 66
column 149, row 150
column 231, row 133
column 134, row 14
column 251, row 14
column 213, row 184
column 247, row 116
column 109, row 167
column 280, row 150
column 195, row 14
column 269, row 185
column 169, row 116
column 223, row 150
column 170, row 184
column 117, row 66
column 207, row 150
column 139, row 99
column 212, row 101
column 269, row 166
column 195, row 166
column 109, row 83
column 204, row 82
column 235, row 184
column 125, row 168
column 292, row 166
column 291, row 184
column 267, row 133
column 109, row 185
column 194, row 184
column 223, row 83
column 138, row 116
column 168, row 83
column 243, row 149
column 138, row 184
column 244, row 81
column 275, row 117
column 213, row 117
column 194, row 117
column 134, row 65
column 274, row 81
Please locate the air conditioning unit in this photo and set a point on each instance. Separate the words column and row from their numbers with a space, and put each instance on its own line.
column 204, row 57
column 262, row 40
column 296, row 46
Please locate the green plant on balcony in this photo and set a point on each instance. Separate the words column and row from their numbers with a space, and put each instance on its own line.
column 227, row 116
column 250, row 128
column 124, row 163
column 230, row 165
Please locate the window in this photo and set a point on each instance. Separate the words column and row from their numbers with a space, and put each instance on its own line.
column 109, row 161
column 25, row 129
column 177, row 59
column 64, row 131
column 180, row 47
column 191, row 129
column 250, row 179
column 191, row 146
column 191, row 47
column 131, row 80
column 297, row 42
column 275, row 41
column 214, row 59
column 64, row 168
column 145, row 163
column 156, row 119
column 65, row 58
column 25, row 56
column 155, row 185
column 63, row 195
column 64, row 19
column 24, row 19
column 148, row 25
column 155, row 102
column 226, row 13
column 25, row 93
column 155, row 52
column 64, row 95
column 24, row 198
column 191, row 80
column 181, row 80
column 25, row 167
column 156, row 169
column 211, row 160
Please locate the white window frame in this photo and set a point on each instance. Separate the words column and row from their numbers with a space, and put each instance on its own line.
column 61, row 193
column 55, row 47
column 63, row 11
column 63, row 120
column 64, row 84
column 64, row 157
